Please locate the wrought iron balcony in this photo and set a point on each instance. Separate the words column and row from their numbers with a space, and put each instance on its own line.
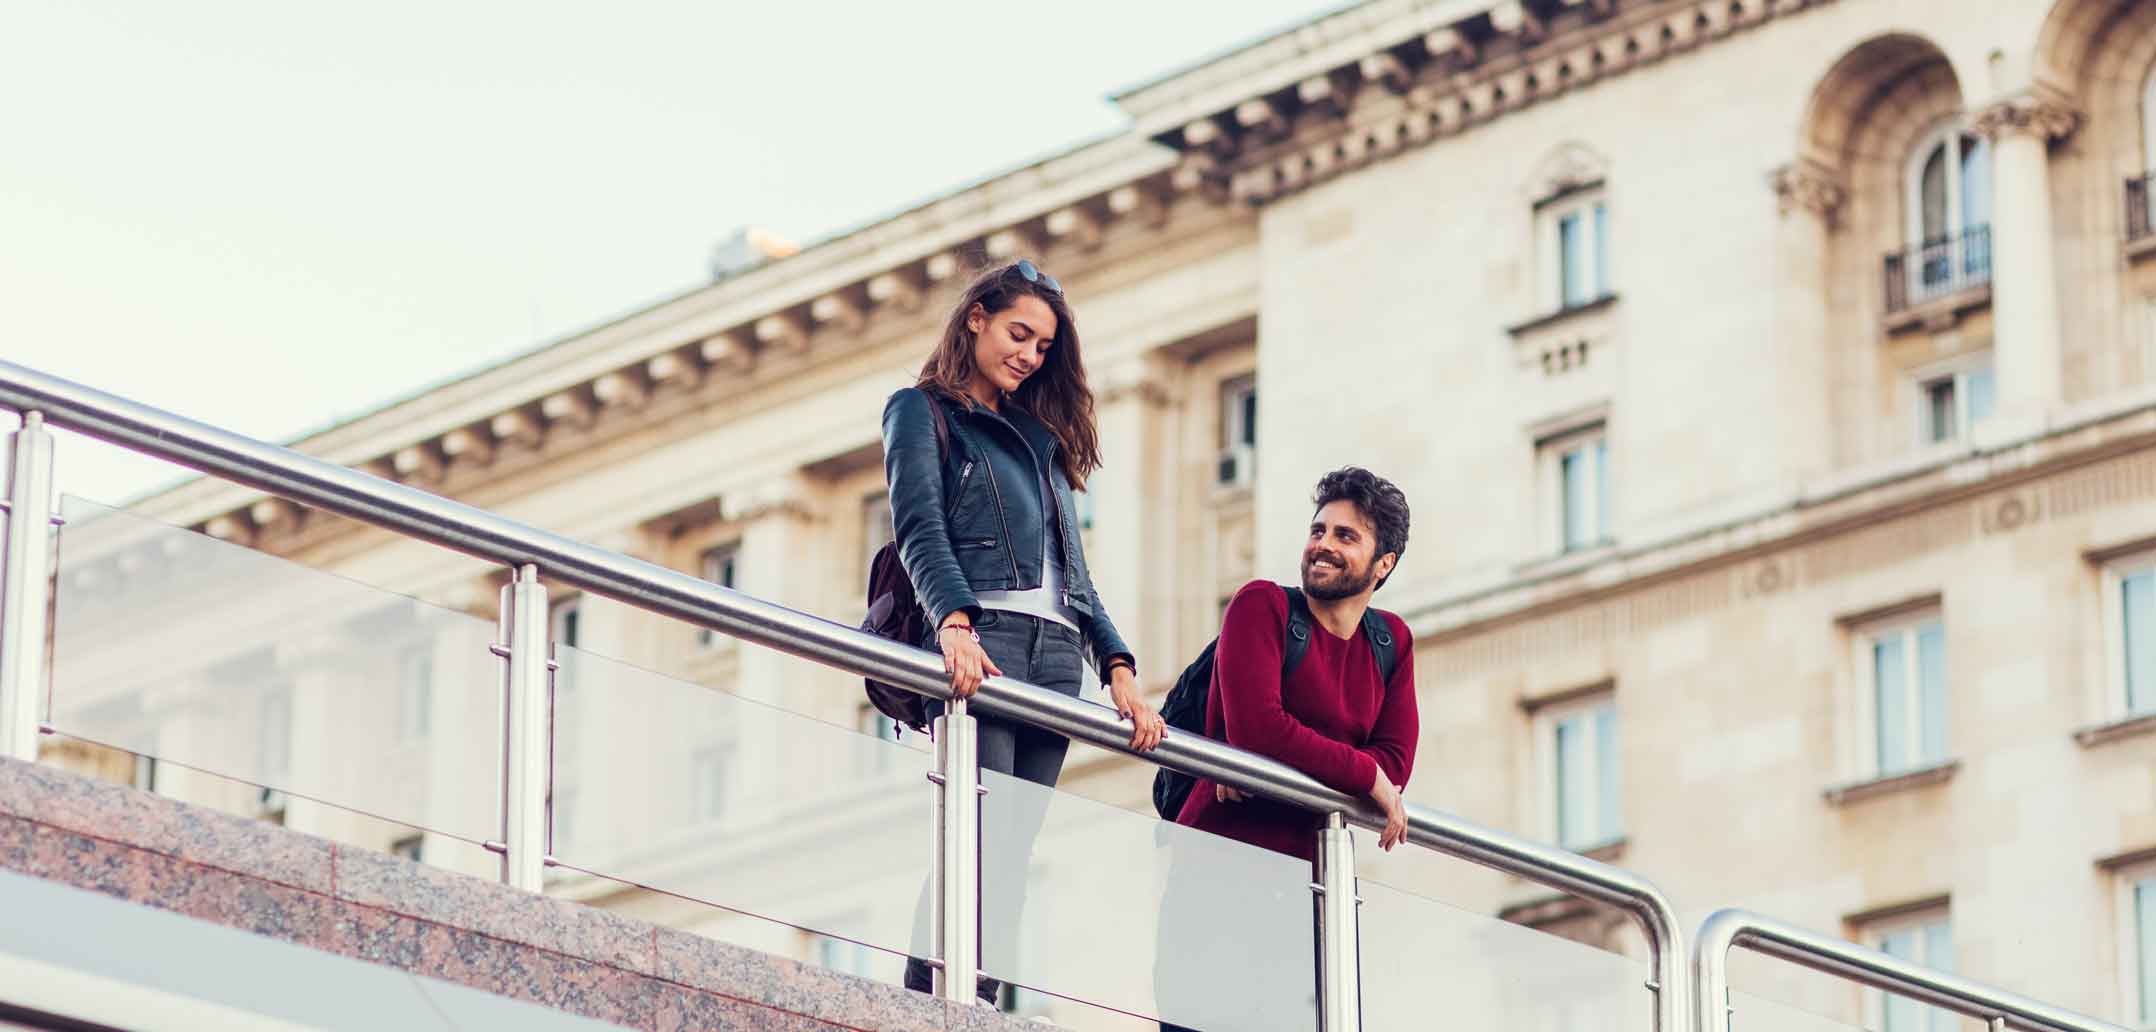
column 1938, row 268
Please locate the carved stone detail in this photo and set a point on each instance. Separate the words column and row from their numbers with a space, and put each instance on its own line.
column 2045, row 117
column 1802, row 184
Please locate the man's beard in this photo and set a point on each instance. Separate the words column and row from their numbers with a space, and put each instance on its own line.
column 1343, row 583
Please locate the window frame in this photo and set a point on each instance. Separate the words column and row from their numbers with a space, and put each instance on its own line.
column 2117, row 702
column 1960, row 369
column 1948, row 133
column 564, row 622
column 711, row 782
column 718, row 564
column 1920, row 921
column 415, row 693
column 1908, row 625
column 1591, row 201
column 1549, row 778
column 1590, row 436
column 872, row 504
column 2137, row 1003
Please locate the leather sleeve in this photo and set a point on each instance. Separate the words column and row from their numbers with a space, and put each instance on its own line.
column 913, row 470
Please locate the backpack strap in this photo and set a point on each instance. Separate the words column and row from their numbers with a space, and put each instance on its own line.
column 1382, row 646
column 1375, row 629
column 1297, row 641
column 941, row 423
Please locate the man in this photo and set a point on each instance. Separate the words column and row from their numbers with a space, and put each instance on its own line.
column 1333, row 717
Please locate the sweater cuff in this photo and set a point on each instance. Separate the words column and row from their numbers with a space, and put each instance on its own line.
column 1365, row 774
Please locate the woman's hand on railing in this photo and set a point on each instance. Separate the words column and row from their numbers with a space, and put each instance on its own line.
column 1146, row 725
column 1388, row 799
column 963, row 657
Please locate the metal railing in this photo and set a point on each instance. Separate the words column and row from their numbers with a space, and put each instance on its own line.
column 2139, row 224
column 530, row 553
column 1725, row 930
column 1936, row 268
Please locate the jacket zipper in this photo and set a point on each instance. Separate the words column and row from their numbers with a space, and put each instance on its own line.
column 958, row 494
column 1005, row 521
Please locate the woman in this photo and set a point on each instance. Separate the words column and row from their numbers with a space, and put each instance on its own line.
column 986, row 530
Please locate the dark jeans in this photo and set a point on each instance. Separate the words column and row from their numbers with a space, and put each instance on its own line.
column 1052, row 656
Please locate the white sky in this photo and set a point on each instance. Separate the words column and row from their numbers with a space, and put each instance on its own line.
column 274, row 216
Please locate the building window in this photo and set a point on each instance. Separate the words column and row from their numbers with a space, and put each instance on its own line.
column 410, row 847
column 712, row 775
column 877, row 529
column 843, row 956
column 1238, row 432
column 563, row 620
column 1905, row 706
column 717, row 565
column 1948, row 209
column 145, row 773
column 275, row 745
column 1926, row 939
column 1953, row 401
column 2130, row 614
column 1576, row 465
column 1574, row 232
column 415, row 692
column 2138, row 943
column 1579, row 744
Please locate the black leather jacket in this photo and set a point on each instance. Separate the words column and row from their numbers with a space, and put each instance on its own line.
column 974, row 520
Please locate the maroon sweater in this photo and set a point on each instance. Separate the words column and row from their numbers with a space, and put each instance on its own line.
column 1330, row 718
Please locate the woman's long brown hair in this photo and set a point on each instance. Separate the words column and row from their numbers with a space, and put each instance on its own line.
column 1056, row 393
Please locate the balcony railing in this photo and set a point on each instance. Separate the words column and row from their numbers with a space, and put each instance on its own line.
column 2139, row 224
column 1937, row 268
column 133, row 667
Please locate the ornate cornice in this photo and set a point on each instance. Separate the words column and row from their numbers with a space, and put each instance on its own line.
column 1804, row 185
column 1411, row 91
column 2030, row 113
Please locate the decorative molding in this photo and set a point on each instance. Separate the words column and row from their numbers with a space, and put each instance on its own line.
column 1488, row 63
column 2117, row 730
column 1805, row 185
column 1891, row 911
column 2033, row 113
column 1572, row 166
column 1844, row 795
column 1891, row 611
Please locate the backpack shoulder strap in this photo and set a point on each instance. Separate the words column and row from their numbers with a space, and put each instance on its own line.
column 1297, row 641
column 941, row 423
column 1382, row 646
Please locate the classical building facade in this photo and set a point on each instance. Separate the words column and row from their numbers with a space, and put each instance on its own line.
column 1774, row 382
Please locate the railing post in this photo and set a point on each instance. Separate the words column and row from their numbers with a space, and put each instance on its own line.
column 1339, row 944
column 958, row 853
column 527, row 706
column 25, row 586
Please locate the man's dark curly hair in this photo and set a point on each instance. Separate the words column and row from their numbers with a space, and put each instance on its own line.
column 1381, row 502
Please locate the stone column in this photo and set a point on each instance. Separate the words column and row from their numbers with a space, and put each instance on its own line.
column 1130, row 550
column 1809, row 197
column 788, row 556
column 2024, row 293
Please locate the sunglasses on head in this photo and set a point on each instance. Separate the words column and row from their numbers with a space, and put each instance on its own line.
column 1033, row 274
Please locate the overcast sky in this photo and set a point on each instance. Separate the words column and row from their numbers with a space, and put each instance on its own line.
column 274, row 216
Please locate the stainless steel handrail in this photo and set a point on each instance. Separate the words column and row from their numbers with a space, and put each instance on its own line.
column 408, row 511
column 1725, row 929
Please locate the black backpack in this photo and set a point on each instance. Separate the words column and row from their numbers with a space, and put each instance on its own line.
column 894, row 612
column 1184, row 708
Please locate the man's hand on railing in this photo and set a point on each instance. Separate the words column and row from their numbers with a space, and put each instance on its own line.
column 1146, row 726
column 1228, row 795
column 1388, row 799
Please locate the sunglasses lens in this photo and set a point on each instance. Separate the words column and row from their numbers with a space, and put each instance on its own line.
column 1033, row 274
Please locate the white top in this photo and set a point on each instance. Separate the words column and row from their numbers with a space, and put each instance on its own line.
column 1048, row 601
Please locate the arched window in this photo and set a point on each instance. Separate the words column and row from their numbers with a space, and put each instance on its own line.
column 1948, row 189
